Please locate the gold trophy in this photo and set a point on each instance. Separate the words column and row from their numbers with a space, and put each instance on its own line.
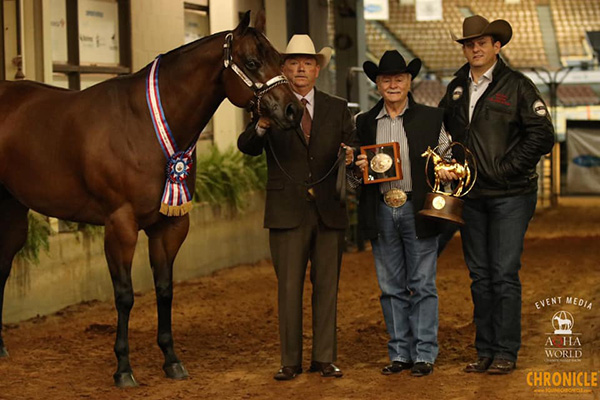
column 442, row 205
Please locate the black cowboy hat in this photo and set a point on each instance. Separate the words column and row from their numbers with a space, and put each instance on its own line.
column 392, row 63
column 476, row 26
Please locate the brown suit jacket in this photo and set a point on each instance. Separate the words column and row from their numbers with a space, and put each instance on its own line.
column 286, row 202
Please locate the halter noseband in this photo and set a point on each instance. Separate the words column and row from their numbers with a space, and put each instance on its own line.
column 259, row 89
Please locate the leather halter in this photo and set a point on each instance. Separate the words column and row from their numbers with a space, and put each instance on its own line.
column 259, row 88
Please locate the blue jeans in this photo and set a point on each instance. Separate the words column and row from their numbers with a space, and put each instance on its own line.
column 406, row 268
column 493, row 243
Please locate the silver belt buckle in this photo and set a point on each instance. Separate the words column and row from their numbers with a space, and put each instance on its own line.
column 395, row 198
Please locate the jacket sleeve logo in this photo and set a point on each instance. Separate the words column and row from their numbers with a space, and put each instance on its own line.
column 539, row 108
column 457, row 93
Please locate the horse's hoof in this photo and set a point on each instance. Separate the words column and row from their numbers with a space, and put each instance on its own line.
column 3, row 352
column 175, row 371
column 124, row 380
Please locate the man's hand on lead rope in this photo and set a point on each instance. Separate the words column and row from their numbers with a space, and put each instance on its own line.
column 349, row 153
column 262, row 126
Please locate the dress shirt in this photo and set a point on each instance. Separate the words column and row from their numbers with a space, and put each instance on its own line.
column 477, row 89
column 392, row 130
column 310, row 98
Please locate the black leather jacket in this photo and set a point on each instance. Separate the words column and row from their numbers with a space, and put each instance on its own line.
column 509, row 131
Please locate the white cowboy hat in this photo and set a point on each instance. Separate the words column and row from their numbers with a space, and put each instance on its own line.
column 302, row 44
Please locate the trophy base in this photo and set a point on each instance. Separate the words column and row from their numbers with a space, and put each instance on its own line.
column 443, row 207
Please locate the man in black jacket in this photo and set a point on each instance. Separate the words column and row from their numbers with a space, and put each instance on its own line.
column 499, row 115
column 404, row 243
column 305, row 216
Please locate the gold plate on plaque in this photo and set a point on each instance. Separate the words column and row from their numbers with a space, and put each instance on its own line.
column 381, row 163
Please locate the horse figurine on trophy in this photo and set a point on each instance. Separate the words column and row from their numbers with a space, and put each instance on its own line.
column 448, row 206
column 463, row 172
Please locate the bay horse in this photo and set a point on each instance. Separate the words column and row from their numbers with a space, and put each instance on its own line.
column 93, row 156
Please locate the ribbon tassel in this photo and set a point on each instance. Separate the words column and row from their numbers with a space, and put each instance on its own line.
column 175, row 211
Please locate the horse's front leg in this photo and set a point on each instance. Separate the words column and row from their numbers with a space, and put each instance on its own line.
column 13, row 219
column 164, row 240
column 120, row 238
column 436, row 185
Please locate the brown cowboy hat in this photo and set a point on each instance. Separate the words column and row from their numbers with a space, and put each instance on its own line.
column 476, row 26
column 392, row 63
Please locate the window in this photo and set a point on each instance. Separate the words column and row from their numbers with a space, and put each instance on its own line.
column 196, row 22
column 90, row 41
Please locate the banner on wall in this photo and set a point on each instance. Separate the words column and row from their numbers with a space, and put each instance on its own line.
column 583, row 154
column 429, row 10
column 376, row 10
column 98, row 32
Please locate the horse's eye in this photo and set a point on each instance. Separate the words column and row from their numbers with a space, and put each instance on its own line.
column 252, row 65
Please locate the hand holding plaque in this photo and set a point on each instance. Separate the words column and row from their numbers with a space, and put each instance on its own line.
column 447, row 205
column 383, row 163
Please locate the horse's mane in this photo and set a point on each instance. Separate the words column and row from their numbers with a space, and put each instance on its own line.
column 265, row 44
column 199, row 42
column 184, row 48
column 262, row 49
column 192, row 45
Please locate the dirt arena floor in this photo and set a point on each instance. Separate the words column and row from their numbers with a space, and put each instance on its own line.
column 225, row 328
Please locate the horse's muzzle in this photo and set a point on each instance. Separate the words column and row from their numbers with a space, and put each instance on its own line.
column 293, row 113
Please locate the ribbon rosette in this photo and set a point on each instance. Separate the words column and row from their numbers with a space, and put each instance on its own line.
column 179, row 167
column 176, row 199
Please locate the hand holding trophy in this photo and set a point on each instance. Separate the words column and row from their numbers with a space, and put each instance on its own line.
column 447, row 205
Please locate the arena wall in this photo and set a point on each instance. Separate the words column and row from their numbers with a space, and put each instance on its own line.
column 75, row 270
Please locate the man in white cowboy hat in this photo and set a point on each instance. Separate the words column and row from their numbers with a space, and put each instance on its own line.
column 306, row 219
column 404, row 243
column 500, row 116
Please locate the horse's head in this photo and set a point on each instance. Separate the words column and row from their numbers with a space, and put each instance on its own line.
column 253, row 77
column 427, row 152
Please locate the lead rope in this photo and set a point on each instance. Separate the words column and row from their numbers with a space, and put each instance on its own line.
column 341, row 156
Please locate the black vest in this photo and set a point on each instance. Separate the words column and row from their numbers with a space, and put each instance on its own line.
column 422, row 125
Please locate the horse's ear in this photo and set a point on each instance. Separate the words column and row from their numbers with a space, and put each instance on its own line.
column 260, row 21
column 244, row 23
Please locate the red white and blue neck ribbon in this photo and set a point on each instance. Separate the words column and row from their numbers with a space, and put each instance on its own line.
column 176, row 198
